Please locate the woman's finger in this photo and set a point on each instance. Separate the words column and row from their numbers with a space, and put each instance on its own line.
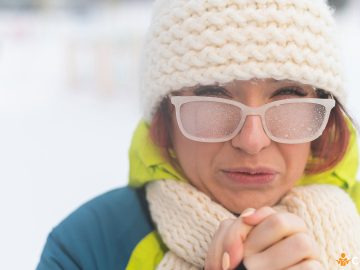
column 288, row 252
column 234, row 242
column 258, row 216
column 271, row 230
column 226, row 248
column 216, row 250
column 238, row 232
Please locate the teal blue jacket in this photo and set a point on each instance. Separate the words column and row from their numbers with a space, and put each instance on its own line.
column 101, row 234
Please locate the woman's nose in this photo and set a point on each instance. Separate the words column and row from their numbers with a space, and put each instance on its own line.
column 252, row 137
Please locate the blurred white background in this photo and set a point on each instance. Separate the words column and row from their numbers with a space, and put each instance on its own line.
column 69, row 104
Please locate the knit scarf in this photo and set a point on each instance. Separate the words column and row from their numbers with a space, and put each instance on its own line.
column 187, row 219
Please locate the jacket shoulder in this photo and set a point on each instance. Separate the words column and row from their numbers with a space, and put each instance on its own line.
column 101, row 234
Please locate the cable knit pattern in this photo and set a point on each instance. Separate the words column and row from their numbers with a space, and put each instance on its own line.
column 193, row 42
column 187, row 220
column 182, row 212
column 329, row 215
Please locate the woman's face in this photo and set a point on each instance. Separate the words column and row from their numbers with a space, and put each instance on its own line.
column 249, row 170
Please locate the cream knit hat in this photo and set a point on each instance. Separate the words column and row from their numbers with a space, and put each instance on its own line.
column 193, row 42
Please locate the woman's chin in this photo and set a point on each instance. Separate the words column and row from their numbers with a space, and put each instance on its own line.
column 249, row 200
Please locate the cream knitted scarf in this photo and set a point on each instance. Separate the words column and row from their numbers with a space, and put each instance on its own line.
column 187, row 220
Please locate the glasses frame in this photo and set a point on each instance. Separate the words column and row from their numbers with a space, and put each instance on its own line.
column 178, row 101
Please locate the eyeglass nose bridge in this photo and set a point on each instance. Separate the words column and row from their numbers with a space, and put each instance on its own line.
column 253, row 111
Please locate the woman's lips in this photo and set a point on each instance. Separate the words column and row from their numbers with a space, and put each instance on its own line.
column 251, row 176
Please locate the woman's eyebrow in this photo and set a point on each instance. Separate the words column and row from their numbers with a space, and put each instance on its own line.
column 211, row 90
column 285, row 84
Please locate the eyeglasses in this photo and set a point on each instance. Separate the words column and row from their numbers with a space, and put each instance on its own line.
column 290, row 121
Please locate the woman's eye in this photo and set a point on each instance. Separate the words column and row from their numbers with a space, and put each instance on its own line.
column 290, row 91
column 320, row 93
column 211, row 91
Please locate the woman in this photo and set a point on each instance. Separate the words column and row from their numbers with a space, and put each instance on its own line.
column 245, row 159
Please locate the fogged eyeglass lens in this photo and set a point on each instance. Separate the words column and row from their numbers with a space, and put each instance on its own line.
column 295, row 120
column 207, row 119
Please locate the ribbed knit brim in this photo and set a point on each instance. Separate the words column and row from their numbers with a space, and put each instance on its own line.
column 192, row 42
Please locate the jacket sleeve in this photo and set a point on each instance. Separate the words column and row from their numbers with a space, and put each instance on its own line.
column 56, row 256
column 79, row 242
column 101, row 234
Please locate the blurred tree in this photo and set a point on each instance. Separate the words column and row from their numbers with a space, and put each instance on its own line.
column 338, row 4
column 18, row 4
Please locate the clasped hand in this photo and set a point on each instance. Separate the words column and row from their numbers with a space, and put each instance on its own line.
column 264, row 239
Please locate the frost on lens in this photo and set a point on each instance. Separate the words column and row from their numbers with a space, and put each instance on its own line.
column 208, row 119
column 295, row 120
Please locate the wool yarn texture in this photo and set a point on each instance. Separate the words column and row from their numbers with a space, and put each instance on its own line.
column 204, row 42
column 187, row 220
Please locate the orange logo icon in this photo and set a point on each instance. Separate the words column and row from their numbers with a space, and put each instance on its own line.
column 343, row 261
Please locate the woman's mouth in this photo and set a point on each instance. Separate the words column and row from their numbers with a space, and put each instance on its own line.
column 251, row 176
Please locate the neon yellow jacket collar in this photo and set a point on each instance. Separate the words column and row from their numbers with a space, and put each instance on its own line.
column 147, row 164
column 146, row 161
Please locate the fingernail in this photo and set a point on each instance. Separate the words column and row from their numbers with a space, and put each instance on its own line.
column 248, row 212
column 225, row 261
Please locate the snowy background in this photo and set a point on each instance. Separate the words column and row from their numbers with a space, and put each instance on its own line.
column 68, row 107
